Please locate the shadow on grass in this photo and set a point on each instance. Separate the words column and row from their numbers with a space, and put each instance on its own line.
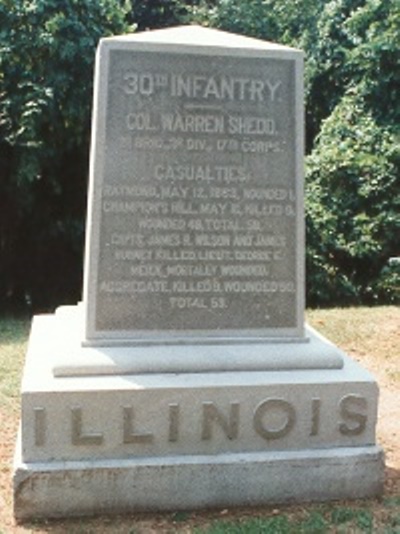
column 14, row 330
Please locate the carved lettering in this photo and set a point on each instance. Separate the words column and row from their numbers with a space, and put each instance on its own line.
column 198, row 206
column 351, row 411
column 315, row 416
column 40, row 426
column 272, row 419
column 209, row 124
column 77, row 435
column 251, row 126
column 196, row 86
column 229, row 424
column 223, row 88
column 173, row 431
column 129, row 435
column 272, row 407
column 140, row 122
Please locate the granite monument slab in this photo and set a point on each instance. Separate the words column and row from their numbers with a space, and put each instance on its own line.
column 186, row 378
column 196, row 213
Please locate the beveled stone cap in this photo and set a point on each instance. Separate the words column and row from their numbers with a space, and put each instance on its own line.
column 200, row 36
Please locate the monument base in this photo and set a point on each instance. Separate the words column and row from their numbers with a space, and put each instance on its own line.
column 60, row 489
column 158, row 441
column 184, row 355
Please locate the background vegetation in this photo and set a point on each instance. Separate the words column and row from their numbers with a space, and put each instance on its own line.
column 352, row 185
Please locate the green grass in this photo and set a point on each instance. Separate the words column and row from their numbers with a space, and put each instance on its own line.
column 373, row 330
column 13, row 343
column 320, row 519
column 273, row 525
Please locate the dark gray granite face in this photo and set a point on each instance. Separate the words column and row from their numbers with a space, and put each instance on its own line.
column 199, row 200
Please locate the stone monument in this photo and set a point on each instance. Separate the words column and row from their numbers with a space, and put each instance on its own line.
column 186, row 378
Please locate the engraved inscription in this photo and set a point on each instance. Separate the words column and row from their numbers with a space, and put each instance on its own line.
column 315, row 417
column 199, row 200
column 78, row 437
column 176, row 424
column 203, row 87
column 40, row 425
column 274, row 409
column 129, row 435
column 173, row 432
column 352, row 411
column 229, row 423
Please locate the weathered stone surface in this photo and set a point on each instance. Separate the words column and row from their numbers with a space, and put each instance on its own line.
column 313, row 352
column 187, row 378
column 59, row 489
column 127, row 443
column 196, row 212
column 155, row 415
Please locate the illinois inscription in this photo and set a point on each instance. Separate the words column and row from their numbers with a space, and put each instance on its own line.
column 199, row 194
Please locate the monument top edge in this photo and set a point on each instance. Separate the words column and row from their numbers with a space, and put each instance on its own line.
column 193, row 35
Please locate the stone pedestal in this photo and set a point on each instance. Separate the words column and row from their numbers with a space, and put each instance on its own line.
column 187, row 378
column 156, row 441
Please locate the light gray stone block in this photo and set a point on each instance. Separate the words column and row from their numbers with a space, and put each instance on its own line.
column 59, row 489
column 195, row 217
column 155, row 414
column 226, row 354
column 187, row 378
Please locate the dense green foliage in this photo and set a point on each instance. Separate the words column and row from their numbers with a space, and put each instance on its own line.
column 153, row 14
column 46, row 68
column 352, row 132
column 352, row 79
column 353, row 207
column 353, row 179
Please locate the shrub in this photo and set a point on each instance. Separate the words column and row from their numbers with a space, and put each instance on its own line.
column 47, row 52
column 353, row 207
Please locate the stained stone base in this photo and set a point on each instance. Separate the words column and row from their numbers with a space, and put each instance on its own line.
column 157, row 441
column 60, row 489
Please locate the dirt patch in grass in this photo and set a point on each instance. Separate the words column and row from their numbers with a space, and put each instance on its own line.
column 370, row 335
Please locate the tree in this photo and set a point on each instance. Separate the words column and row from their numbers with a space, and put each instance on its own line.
column 353, row 206
column 352, row 117
column 153, row 14
column 47, row 52
column 353, row 179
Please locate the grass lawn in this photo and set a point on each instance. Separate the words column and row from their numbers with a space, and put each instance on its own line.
column 370, row 335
